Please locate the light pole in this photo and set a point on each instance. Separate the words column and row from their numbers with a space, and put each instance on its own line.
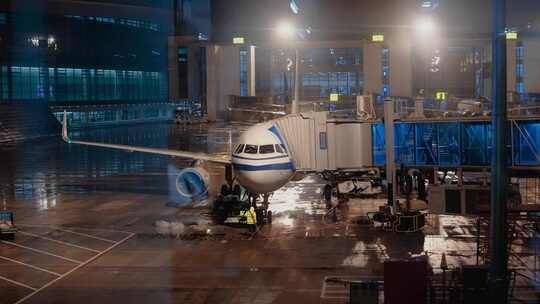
column 287, row 31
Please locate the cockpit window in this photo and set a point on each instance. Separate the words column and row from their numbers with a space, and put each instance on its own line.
column 251, row 149
column 239, row 149
column 278, row 149
column 266, row 149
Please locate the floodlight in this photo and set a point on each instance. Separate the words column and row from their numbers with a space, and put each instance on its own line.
column 286, row 30
column 425, row 26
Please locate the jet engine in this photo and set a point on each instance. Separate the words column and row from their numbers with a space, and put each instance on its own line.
column 192, row 183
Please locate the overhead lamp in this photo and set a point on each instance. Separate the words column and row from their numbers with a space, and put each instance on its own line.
column 286, row 30
column 425, row 26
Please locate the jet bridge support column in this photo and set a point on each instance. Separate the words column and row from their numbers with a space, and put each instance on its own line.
column 389, row 139
column 499, row 176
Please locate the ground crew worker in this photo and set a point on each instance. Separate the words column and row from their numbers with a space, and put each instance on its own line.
column 327, row 195
column 251, row 219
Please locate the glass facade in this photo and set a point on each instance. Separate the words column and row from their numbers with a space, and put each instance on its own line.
column 520, row 69
column 332, row 57
column 322, row 84
column 329, row 70
column 323, row 71
column 193, row 17
column 65, row 58
column 76, row 119
column 80, row 85
column 281, row 72
column 126, row 22
column 385, row 63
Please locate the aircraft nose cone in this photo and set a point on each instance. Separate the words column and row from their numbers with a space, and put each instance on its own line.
column 261, row 182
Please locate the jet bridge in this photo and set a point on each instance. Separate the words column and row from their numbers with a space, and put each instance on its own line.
column 318, row 144
column 320, row 141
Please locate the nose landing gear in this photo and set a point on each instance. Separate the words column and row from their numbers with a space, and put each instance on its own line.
column 232, row 201
column 263, row 214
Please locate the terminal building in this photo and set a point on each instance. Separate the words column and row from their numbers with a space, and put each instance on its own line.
column 393, row 48
column 438, row 52
column 67, row 55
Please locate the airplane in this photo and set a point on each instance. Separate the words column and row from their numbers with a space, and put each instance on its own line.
column 261, row 160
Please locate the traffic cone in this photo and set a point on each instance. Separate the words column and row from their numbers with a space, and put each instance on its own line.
column 444, row 265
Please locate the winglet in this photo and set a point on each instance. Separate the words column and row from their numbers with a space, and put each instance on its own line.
column 65, row 136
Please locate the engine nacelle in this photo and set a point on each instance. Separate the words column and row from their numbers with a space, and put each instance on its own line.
column 193, row 183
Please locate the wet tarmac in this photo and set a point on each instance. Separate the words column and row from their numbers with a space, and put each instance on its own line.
column 98, row 226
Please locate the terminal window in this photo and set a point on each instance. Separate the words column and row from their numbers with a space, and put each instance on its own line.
column 76, row 84
column 244, row 61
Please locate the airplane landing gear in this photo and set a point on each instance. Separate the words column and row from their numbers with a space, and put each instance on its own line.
column 267, row 213
column 263, row 214
column 233, row 200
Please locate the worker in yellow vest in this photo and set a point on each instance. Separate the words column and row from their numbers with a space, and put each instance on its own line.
column 251, row 218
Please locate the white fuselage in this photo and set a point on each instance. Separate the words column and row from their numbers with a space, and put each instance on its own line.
column 261, row 160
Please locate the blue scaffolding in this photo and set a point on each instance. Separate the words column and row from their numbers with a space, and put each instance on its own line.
column 456, row 144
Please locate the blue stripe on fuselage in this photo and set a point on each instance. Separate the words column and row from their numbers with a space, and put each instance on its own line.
column 281, row 166
column 274, row 130
column 249, row 158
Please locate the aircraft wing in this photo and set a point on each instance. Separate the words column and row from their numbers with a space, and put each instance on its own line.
column 222, row 159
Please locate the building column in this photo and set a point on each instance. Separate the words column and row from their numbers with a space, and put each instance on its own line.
column 212, row 84
column 372, row 68
column 511, row 61
column 401, row 67
column 531, row 63
column 173, row 68
column 251, row 71
column 223, row 78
